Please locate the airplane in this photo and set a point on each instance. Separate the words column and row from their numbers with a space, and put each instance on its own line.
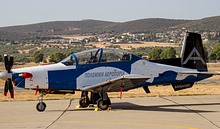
column 102, row 70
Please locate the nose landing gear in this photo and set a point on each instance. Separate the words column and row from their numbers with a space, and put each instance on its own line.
column 41, row 106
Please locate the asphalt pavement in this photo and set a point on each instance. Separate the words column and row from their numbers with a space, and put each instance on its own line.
column 177, row 112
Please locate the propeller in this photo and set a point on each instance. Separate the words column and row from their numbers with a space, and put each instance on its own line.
column 8, row 83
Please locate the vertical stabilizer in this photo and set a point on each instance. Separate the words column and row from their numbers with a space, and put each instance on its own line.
column 192, row 54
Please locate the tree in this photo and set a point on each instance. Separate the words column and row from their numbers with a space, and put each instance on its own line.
column 154, row 54
column 212, row 56
column 215, row 53
column 206, row 53
column 56, row 57
column 38, row 57
column 168, row 53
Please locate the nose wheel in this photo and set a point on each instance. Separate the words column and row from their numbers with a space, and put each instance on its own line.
column 41, row 106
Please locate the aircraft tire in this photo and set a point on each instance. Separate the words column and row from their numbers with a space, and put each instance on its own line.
column 84, row 102
column 101, row 105
column 41, row 106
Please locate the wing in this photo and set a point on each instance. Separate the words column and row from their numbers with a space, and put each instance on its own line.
column 126, row 82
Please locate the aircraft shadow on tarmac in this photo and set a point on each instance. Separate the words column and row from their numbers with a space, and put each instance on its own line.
column 184, row 108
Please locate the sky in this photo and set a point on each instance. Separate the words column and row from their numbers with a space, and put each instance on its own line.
column 22, row 12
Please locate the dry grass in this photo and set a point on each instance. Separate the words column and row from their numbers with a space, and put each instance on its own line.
column 129, row 46
column 147, row 44
column 198, row 89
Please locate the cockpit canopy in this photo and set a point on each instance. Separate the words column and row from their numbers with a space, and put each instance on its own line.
column 98, row 55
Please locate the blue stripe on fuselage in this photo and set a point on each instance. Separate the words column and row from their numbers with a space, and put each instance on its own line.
column 62, row 79
column 169, row 77
column 66, row 79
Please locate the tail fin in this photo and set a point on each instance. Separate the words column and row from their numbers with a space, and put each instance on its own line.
column 192, row 54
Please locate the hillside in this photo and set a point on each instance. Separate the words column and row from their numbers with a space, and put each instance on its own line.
column 146, row 25
column 205, row 24
column 100, row 27
column 58, row 26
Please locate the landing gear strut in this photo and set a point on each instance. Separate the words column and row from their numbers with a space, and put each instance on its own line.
column 84, row 100
column 41, row 106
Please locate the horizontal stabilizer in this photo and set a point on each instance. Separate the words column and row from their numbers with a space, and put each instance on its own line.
column 197, row 72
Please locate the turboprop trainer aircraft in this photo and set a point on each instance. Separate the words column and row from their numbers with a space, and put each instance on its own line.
column 102, row 70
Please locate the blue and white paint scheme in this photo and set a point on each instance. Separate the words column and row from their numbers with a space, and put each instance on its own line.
column 103, row 70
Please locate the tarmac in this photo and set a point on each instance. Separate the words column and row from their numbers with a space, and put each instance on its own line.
column 176, row 112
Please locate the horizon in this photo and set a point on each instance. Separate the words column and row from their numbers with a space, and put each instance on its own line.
column 25, row 12
column 102, row 20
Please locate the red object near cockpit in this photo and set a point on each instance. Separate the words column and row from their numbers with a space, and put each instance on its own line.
column 27, row 75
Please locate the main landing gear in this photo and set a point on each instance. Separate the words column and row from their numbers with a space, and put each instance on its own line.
column 41, row 106
column 104, row 101
column 84, row 100
column 101, row 99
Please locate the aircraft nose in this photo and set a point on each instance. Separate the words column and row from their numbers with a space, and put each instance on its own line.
column 5, row 75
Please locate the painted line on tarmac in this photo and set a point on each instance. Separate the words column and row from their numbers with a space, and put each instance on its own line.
column 102, row 123
column 130, row 123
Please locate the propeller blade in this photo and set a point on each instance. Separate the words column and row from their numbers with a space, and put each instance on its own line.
column 6, row 88
column 6, row 61
column 11, row 62
column 10, row 87
column 8, row 83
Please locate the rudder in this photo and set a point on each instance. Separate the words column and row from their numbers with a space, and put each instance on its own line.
column 192, row 54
